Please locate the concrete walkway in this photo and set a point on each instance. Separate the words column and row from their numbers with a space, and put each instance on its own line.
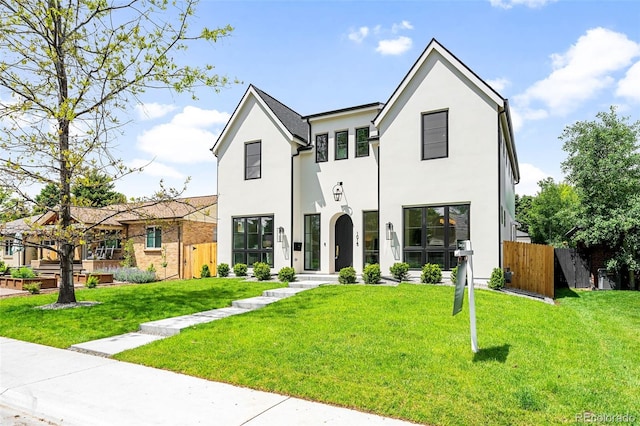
column 67, row 388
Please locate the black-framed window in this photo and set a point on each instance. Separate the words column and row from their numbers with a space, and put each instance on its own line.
column 154, row 237
column 253, row 160
column 371, row 237
column 431, row 233
column 312, row 242
column 435, row 135
column 342, row 145
column 322, row 148
column 362, row 142
column 252, row 240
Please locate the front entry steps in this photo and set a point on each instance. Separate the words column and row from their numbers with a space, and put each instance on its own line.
column 160, row 329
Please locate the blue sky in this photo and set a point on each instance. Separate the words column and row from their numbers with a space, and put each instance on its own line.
column 557, row 62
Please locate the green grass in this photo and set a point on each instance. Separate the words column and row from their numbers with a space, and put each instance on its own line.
column 397, row 351
column 122, row 309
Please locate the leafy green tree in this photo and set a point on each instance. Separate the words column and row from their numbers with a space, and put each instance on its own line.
column 12, row 208
column 68, row 73
column 96, row 190
column 523, row 208
column 603, row 163
column 48, row 198
column 552, row 213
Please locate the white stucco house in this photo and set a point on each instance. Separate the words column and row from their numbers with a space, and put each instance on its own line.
column 399, row 181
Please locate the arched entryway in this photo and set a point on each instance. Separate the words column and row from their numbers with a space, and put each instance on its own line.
column 344, row 242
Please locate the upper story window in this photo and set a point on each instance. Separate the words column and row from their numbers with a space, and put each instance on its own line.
column 362, row 142
column 252, row 160
column 342, row 145
column 8, row 247
column 154, row 238
column 322, row 148
column 435, row 135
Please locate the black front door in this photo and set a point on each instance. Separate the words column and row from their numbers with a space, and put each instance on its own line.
column 344, row 242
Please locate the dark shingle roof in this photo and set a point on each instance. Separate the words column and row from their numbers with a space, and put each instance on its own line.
column 289, row 118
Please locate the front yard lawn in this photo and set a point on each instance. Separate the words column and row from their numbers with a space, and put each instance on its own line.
column 122, row 309
column 397, row 351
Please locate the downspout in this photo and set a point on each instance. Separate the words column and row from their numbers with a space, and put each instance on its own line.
column 500, row 213
column 180, row 250
column 298, row 151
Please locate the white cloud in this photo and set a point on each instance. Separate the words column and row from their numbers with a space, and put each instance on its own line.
column 187, row 138
column 359, row 34
column 153, row 168
column 396, row 46
column 404, row 25
column 629, row 86
column 153, row 110
column 579, row 74
column 530, row 175
column 520, row 115
column 499, row 84
column 508, row 4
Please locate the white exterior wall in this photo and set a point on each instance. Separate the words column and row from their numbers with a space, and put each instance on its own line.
column 469, row 175
column 269, row 195
column 316, row 181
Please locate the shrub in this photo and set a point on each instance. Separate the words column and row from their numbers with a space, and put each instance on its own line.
column 92, row 281
column 3, row 267
column 371, row 274
column 400, row 271
column 240, row 270
column 454, row 274
column 151, row 268
column 223, row 270
column 205, row 272
column 287, row 274
column 131, row 275
column 23, row 272
column 128, row 254
column 431, row 274
column 33, row 288
column 496, row 281
column 347, row 275
column 261, row 271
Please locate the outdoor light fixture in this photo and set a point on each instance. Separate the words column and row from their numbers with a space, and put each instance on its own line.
column 389, row 231
column 280, row 233
column 337, row 191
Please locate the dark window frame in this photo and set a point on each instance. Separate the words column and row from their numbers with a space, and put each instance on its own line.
column 305, row 242
column 246, row 161
column 245, row 251
column 325, row 150
column 364, row 142
column 376, row 251
column 424, row 249
column 424, row 144
column 335, row 145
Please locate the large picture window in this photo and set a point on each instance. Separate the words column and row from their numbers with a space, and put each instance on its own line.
column 312, row 242
column 342, row 145
column 362, row 142
column 431, row 233
column 371, row 238
column 154, row 237
column 252, row 160
column 253, row 240
column 435, row 135
column 322, row 148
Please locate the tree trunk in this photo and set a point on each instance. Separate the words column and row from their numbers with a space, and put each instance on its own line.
column 67, row 292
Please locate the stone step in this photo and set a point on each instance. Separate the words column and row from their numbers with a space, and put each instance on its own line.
column 112, row 345
column 173, row 326
column 306, row 284
column 254, row 302
column 282, row 293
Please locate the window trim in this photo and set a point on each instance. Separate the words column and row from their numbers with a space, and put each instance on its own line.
column 366, row 141
column 261, row 250
column 364, row 237
column 326, row 153
column 155, row 238
column 335, row 145
column 246, row 163
column 304, row 260
column 422, row 141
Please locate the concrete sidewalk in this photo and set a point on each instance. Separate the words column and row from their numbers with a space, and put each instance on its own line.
column 71, row 388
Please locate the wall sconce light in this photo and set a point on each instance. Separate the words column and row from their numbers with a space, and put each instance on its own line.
column 389, row 227
column 337, row 191
column 280, row 233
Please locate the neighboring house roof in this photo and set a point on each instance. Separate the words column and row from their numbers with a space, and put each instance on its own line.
column 405, row 84
column 290, row 122
column 175, row 209
column 19, row 225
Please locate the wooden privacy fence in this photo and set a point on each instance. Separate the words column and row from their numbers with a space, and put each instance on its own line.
column 532, row 267
column 196, row 255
